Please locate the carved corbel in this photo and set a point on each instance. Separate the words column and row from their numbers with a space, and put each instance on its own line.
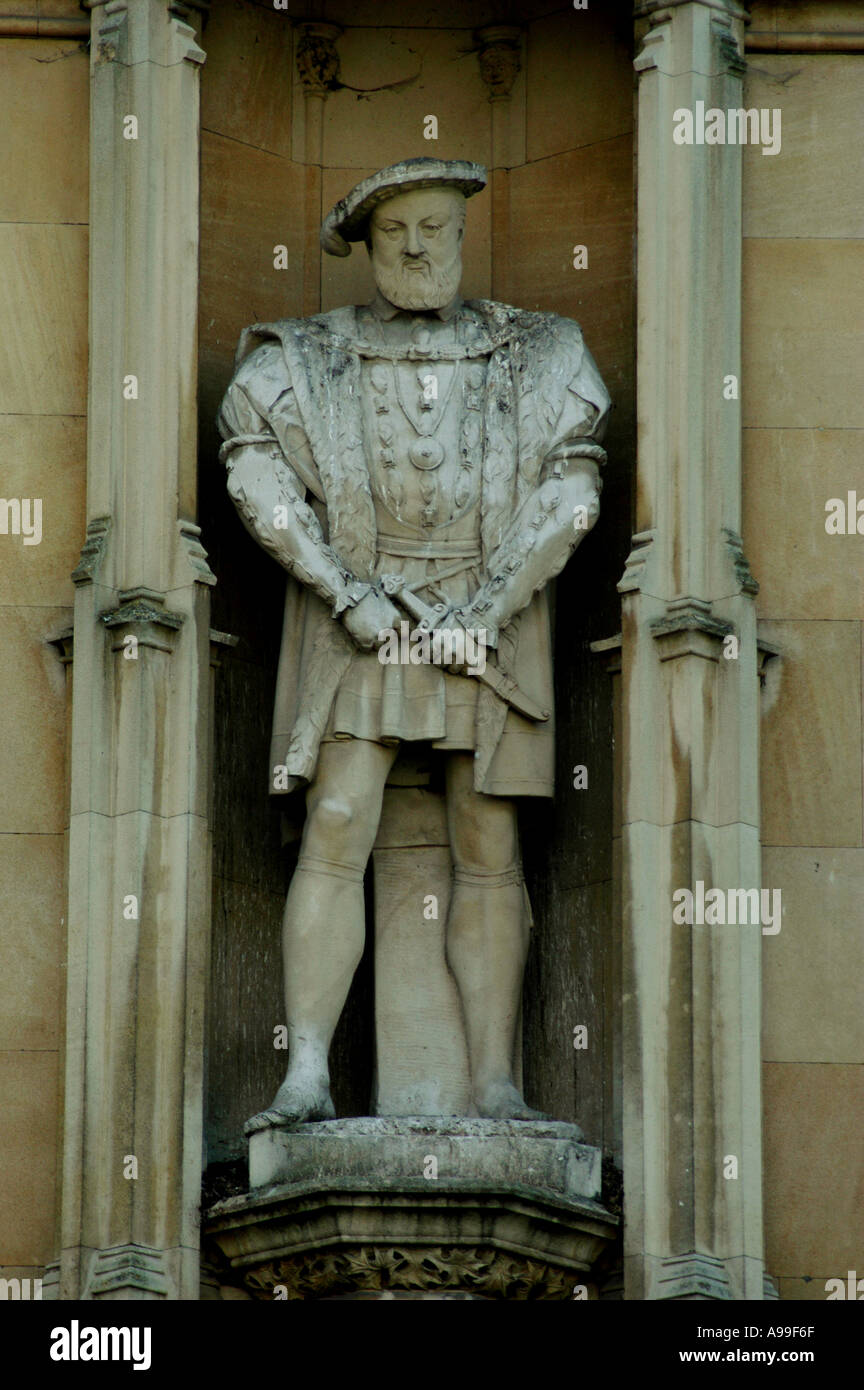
column 499, row 54
column 140, row 615
column 317, row 58
column 92, row 551
column 688, row 628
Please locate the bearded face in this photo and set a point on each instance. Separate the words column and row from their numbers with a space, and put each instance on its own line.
column 416, row 247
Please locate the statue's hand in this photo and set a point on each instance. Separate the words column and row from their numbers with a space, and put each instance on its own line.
column 371, row 617
column 465, row 645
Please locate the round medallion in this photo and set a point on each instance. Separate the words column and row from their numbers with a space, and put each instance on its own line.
column 426, row 453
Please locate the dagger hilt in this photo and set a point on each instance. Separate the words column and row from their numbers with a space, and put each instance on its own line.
column 426, row 615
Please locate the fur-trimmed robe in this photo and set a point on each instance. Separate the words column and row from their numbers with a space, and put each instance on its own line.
column 536, row 361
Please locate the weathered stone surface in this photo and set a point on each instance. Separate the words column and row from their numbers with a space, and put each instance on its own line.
column 512, row 1213
column 810, row 785
column 53, row 329
column 691, row 999
column 788, row 476
column 813, row 1147
column 819, row 96
column 44, row 460
column 29, row 1082
column 33, row 697
column 817, row 957
column 384, row 1150
column 43, row 159
column 139, row 864
column 243, row 86
column 31, row 940
column 803, row 369
column 803, row 391
column 782, row 17
column 254, row 202
column 422, row 1060
column 427, row 63
column 464, row 498
column 576, row 95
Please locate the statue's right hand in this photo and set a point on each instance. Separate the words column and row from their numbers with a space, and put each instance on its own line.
column 370, row 618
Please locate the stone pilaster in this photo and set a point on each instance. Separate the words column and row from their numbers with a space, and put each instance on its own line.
column 139, row 843
column 317, row 62
column 691, row 1026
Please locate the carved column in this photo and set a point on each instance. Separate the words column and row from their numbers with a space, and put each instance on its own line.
column 318, row 70
column 690, row 715
column 139, row 846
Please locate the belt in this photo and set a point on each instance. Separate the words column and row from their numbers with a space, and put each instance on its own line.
column 465, row 554
column 428, row 549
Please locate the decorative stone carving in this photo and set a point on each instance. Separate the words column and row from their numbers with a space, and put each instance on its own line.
column 92, row 551
column 138, row 1269
column 141, row 613
column 500, row 58
column 743, row 573
column 488, row 1273
column 689, row 628
column 449, row 453
column 316, row 57
column 513, row 1211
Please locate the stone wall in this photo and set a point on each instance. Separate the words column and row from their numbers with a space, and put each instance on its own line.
column 803, row 415
column 43, row 367
column 275, row 155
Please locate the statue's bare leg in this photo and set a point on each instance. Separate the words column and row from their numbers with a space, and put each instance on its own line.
column 487, row 936
column 324, row 925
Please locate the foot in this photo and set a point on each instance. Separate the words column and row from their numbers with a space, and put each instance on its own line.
column 293, row 1105
column 500, row 1100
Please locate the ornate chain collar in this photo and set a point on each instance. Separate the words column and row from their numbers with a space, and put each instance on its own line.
column 455, row 352
column 425, row 427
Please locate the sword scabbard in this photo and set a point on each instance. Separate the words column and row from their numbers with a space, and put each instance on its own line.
column 426, row 615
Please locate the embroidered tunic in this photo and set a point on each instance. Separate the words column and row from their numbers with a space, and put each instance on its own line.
column 444, row 443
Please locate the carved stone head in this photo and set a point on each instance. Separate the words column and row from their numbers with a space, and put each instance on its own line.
column 415, row 242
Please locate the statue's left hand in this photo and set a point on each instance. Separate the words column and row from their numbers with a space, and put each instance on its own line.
column 458, row 640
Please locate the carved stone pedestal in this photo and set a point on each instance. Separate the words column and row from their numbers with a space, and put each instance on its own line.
column 479, row 1208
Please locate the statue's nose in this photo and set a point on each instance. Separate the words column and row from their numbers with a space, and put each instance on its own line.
column 413, row 243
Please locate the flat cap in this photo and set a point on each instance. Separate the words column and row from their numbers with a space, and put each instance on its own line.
column 346, row 222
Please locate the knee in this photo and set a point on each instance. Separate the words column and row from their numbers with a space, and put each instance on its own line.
column 336, row 829
column 334, row 815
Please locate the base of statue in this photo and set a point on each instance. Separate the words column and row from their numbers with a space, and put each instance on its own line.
column 419, row 1206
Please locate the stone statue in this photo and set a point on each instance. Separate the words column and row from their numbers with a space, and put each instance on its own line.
column 433, row 462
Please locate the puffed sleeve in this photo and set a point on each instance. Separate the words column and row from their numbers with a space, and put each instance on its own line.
column 259, row 407
column 582, row 423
